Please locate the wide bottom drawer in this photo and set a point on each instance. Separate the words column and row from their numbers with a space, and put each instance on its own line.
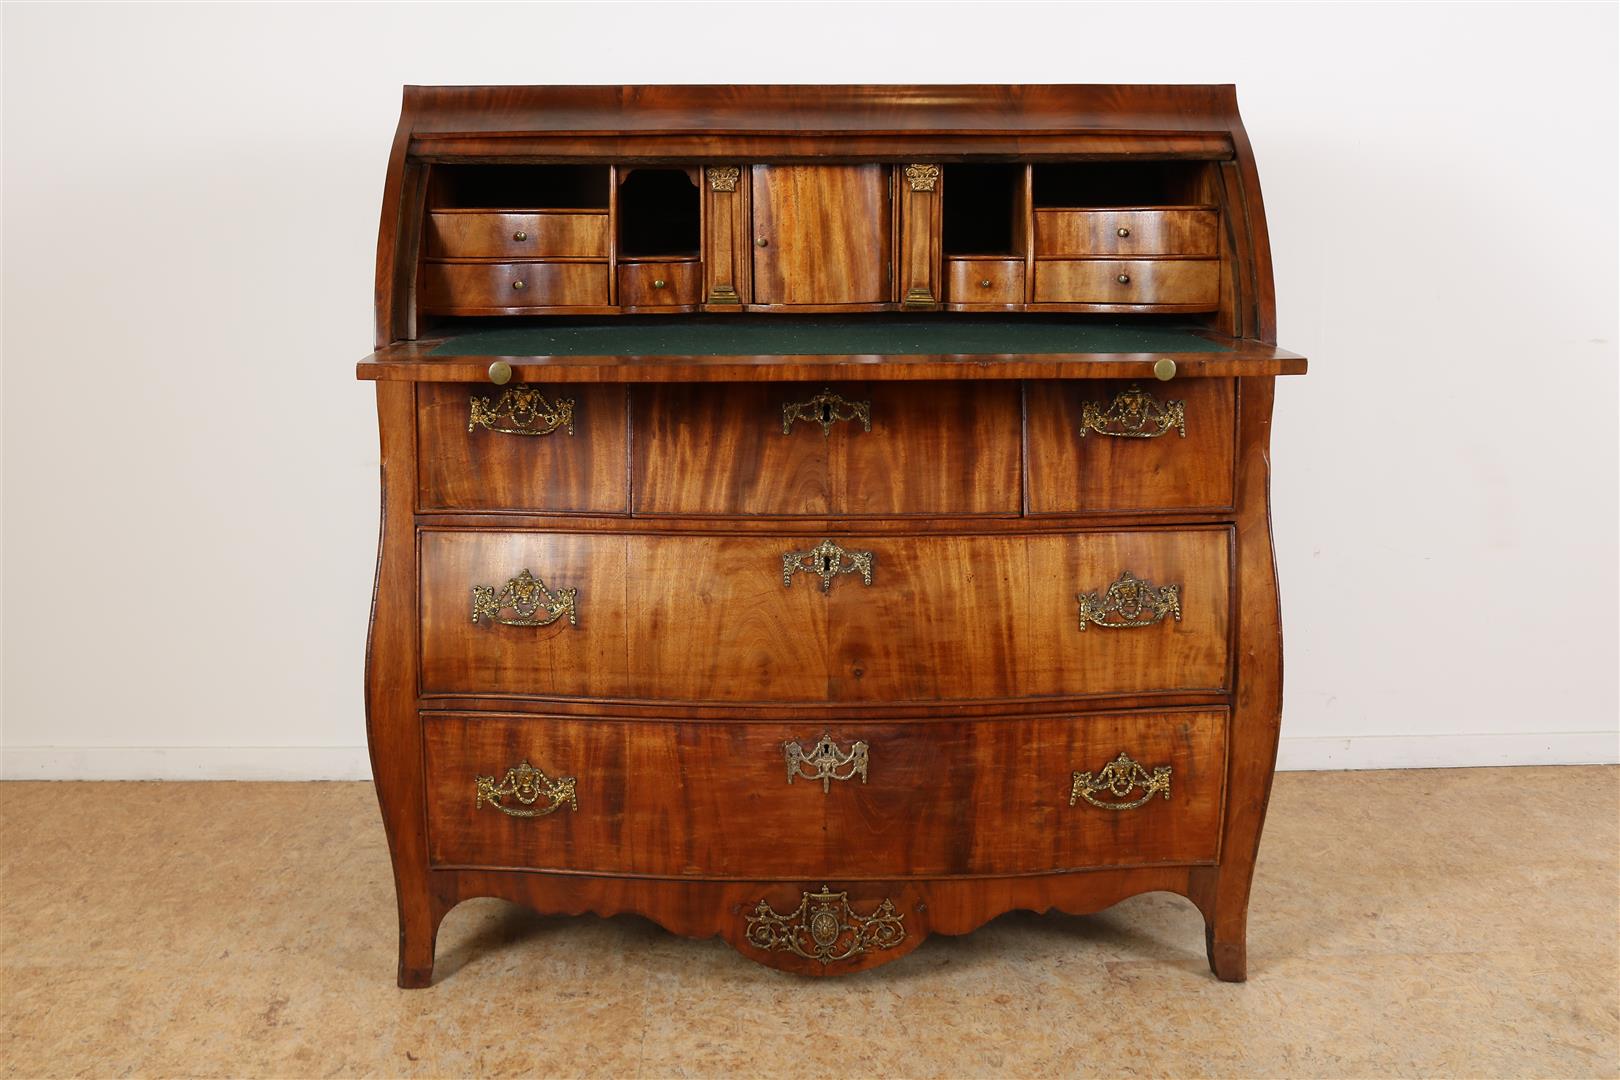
column 845, row 799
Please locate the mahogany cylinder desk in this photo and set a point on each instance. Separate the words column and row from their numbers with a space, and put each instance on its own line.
column 822, row 517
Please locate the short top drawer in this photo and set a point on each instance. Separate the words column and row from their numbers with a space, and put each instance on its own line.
column 849, row 449
column 542, row 449
column 1107, row 446
column 530, row 234
column 1181, row 231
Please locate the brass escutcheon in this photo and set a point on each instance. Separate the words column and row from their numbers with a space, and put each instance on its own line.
column 826, row 560
column 825, row 762
column 826, row 409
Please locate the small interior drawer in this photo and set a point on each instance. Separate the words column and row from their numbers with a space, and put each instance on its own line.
column 1192, row 283
column 659, row 284
column 985, row 281
column 1184, row 231
column 530, row 234
column 483, row 287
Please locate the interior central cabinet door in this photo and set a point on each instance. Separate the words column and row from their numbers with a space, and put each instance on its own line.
column 821, row 234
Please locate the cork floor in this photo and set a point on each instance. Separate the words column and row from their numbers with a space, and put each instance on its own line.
column 1455, row 923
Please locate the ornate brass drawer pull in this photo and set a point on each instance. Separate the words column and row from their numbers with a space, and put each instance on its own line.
column 1134, row 414
column 826, row 560
column 1130, row 601
column 824, row 927
column 526, row 785
column 825, row 762
column 826, row 409
column 1119, row 778
column 521, row 410
column 529, row 600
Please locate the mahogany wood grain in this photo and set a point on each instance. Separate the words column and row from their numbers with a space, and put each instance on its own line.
column 1012, row 604
column 393, row 729
column 918, row 123
column 714, row 525
column 963, row 664
column 981, row 283
column 1183, row 282
column 1222, row 893
column 531, row 234
column 1073, row 469
column 719, row 449
column 411, row 362
column 1166, row 231
column 583, row 471
column 825, row 232
column 399, row 237
column 645, row 284
column 713, row 800
column 918, row 275
column 658, row 618
column 704, row 909
column 707, row 618
column 474, row 287
column 933, row 448
column 728, row 243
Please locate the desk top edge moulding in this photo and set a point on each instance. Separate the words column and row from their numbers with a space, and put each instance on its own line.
column 820, row 517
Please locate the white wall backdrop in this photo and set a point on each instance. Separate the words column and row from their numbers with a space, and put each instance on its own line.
column 190, row 212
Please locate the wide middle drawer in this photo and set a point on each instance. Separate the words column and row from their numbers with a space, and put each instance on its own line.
column 814, row 449
column 815, row 618
column 806, row 799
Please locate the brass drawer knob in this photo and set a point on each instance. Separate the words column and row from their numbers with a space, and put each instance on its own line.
column 524, row 785
column 1164, row 369
column 520, row 236
column 984, row 283
column 1129, row 602
column 659, row 283
column 500, row 373
column 1122, row 231
column 520, row 284
column 1124, row 279
column 527, row 599
column 1119, row 778
column 826, row 561
column 825, row 762
column 1135, row 414
column 762, row 242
